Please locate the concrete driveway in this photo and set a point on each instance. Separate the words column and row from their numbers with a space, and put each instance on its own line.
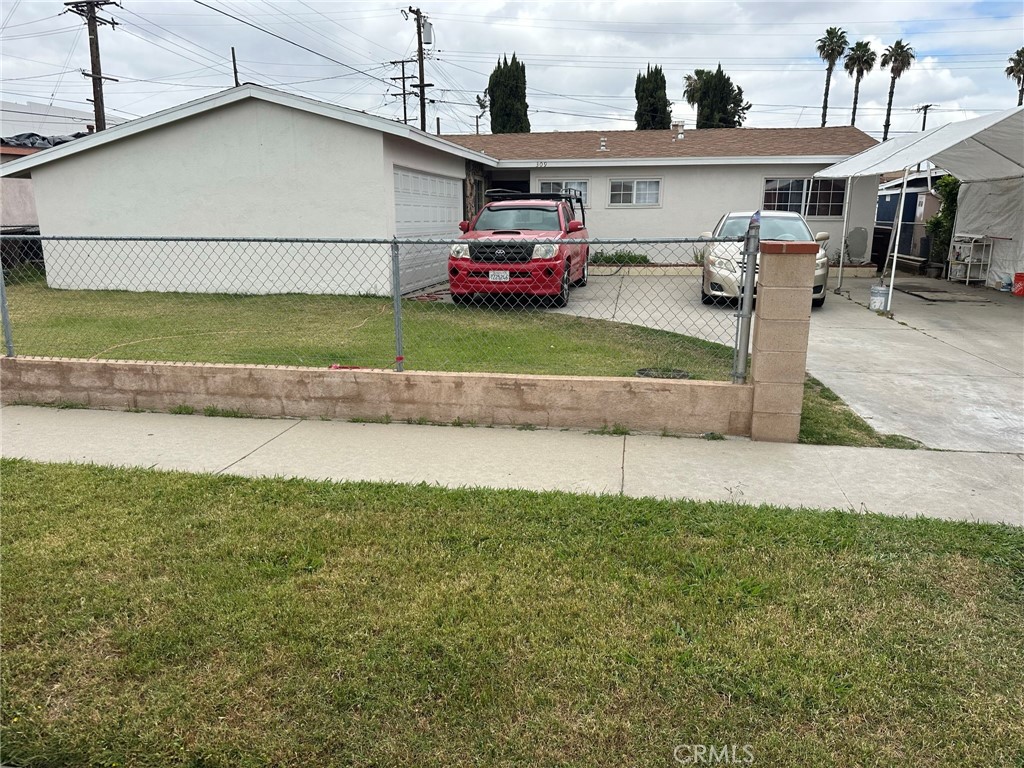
column 947, row 372
column 668, row 300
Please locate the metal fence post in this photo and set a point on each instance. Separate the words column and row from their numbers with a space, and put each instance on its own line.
column 5, row 317
column 751, row 245
column 396, row 296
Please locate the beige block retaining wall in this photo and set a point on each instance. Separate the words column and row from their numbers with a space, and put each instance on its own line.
column 585, row 402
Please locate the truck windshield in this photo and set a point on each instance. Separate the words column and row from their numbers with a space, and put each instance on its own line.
column 543, row 219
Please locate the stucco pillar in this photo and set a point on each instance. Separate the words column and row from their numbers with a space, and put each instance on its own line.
column 782, row 321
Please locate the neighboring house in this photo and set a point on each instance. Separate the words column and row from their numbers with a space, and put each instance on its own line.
column 920, row 203
column 46, row 119
column 676, row 183
column 254, row 162
column 17, row 203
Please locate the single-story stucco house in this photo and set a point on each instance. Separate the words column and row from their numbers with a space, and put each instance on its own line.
column 255, row 162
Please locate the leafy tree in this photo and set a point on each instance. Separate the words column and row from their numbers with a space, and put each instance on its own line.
column 831, row 48
column 860, row 60
column 897, row 59
column 506, row 92
column 1016, row 73
column 653, row 110
column 940, row 226
column 719, row 103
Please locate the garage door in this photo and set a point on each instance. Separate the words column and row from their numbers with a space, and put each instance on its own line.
column 426, row 206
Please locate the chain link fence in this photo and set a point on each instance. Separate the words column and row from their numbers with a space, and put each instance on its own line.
column 605, row 308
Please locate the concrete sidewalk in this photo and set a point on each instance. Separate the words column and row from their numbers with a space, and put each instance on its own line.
column 985, row 487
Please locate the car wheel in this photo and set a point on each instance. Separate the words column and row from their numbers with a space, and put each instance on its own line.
column 818, row 302
column 706, row 298
column 460, row 298
column 562, row 298
column 585, row 276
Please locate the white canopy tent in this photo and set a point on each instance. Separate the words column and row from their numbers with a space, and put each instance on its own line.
column 983, row 150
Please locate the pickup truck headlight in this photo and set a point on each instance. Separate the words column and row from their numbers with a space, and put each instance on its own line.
column 459, row 251
column 545, row 251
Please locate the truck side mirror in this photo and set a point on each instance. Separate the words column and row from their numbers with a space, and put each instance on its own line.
column 575, row 226
column 464, row 226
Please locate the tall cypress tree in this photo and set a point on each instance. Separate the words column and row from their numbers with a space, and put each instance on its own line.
column 653, row 110
column 506, row 90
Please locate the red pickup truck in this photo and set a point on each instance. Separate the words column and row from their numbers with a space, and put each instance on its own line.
column 527, row 244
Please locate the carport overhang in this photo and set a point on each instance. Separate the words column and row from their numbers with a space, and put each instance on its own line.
column 987, row 148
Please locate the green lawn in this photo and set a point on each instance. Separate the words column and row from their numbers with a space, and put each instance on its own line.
column 347, row 330
column 159, row 619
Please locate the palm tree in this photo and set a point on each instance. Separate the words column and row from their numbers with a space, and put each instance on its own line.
column 897, row 59
column 859, row 61
column 831, row 48
column 693, row 86
column 1016, row 73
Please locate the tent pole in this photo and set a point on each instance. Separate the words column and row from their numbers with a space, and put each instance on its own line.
column 846, row 229
column 899, row 229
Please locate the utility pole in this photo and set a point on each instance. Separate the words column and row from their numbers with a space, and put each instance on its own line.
column 87, row 10
column 924, row 108
column 924, row 121
column 234, row 66
column 405, row 93
column 421, row 86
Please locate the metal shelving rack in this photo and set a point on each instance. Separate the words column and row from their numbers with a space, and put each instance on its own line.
column 969, row 257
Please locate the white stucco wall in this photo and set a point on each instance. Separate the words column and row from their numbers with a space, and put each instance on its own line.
column 694, row 198
column 248, row 169
column 252, row 169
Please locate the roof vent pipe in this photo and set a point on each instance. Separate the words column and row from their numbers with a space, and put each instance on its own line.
column 677, row 129
column 604, row 145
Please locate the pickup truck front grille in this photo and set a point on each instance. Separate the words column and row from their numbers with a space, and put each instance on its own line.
column 502, row 253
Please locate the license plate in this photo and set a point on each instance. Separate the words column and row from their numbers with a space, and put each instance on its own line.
column 498, row 276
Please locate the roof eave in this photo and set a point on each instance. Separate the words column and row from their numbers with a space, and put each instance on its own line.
column 671, row 161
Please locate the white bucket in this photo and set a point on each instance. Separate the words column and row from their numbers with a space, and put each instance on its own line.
column 879, row 301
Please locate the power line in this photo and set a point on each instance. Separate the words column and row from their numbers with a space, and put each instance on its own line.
column 290, row 42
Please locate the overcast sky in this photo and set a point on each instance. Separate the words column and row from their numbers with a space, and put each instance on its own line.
column 581, row 58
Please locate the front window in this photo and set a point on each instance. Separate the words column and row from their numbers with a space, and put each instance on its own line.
column 509, row 218
column 808, row 197
column 635, row 192
column 559, row 186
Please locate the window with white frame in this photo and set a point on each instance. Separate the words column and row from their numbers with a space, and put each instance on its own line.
column 808, row 197
column 635, row 192
column 554, row 186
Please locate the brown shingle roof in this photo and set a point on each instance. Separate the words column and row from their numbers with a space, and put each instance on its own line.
column 715, row 142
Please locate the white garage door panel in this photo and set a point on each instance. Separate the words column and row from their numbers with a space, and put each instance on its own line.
column 427, row 206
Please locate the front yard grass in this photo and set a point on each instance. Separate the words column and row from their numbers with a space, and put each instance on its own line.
column 310, row 330
column 164, row 619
